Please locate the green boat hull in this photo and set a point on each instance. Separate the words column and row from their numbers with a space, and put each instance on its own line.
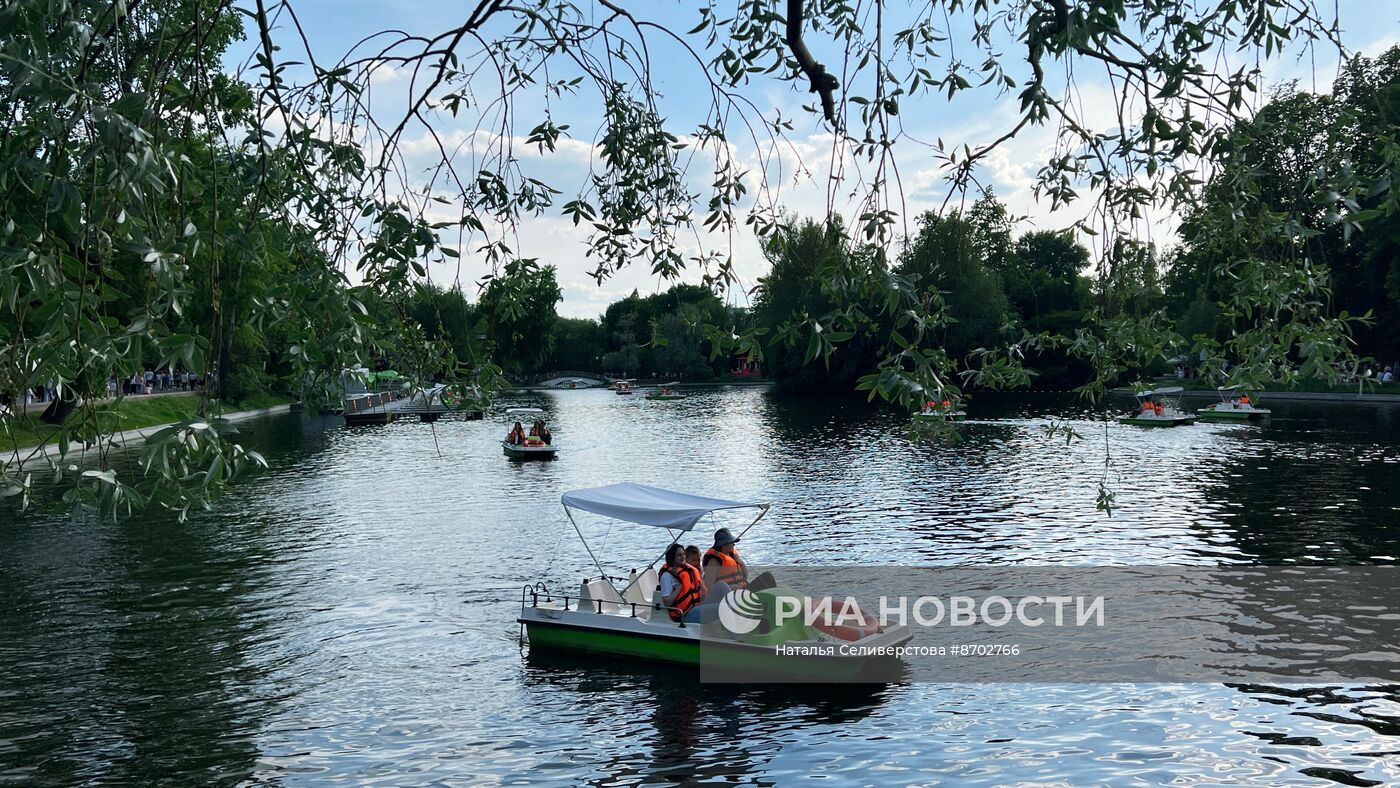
column 1154, row 422
column 665, row 396
column 1224, row 415
column 522, row 454
column 545, row 635
column 738, row 660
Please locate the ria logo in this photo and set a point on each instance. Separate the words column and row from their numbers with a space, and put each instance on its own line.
column 740, row 611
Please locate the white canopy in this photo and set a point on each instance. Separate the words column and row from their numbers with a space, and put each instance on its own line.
column 647, row 505
column 1163, row 390
column 514, row 411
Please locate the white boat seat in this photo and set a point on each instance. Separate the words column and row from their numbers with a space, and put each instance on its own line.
column 593, row 591
column 641, row 589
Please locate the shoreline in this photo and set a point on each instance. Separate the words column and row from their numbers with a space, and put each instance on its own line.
column 638, row 385
column 1314, row 396
column 125, row 439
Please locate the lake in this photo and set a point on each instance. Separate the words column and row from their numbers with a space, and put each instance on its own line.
column 349, row 615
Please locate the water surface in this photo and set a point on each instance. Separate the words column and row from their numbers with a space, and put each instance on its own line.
column 349, row 615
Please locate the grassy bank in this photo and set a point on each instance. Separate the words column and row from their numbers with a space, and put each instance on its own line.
column 130, row 413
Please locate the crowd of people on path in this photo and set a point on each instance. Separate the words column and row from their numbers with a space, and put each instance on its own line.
column 147, row 381
column 154, row 381
column 1382, row 373
column 1387, row 373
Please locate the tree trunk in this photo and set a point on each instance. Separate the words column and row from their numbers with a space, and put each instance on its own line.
column 59, row 408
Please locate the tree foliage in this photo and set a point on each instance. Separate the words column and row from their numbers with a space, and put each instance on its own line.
column 1296, row 235
column 157, row 209
column 517, row 313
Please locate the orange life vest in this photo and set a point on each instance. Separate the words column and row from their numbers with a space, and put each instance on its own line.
column 689, row 589
column 699, row 579
column 731, row 570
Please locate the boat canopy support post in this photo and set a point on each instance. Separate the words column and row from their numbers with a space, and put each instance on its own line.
column 585, row 541
column 762, row 514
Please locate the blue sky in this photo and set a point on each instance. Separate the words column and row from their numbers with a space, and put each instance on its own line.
column 1369, row 26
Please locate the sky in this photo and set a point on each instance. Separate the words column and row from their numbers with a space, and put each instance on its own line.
column 334, row 27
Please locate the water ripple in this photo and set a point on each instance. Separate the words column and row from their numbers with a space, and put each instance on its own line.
column 348, row 617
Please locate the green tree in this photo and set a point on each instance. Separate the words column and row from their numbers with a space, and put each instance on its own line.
column 680, row 341
column 1282, row 216
column 578, row 345
column 518, row 314
column 1046, row 287
column 139, row 176
column 949, row 256
column 803, row 256
column 445, row 315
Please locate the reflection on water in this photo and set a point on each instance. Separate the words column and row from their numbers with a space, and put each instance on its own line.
column 349, row 615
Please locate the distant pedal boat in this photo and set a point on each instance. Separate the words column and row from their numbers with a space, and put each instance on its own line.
column 945, row 411
column 1234, row 405
column 532, row 448
column 1159, row 408
column 666, row 392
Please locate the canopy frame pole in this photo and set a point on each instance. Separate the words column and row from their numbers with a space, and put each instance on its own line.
column 570, row 515
column 765, row 507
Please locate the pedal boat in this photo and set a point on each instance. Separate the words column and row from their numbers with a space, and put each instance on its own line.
column 532, row 448
column 944, row 411
column 623, row 618
column 666, row 392
column 1159, row 408
column 1234, row 405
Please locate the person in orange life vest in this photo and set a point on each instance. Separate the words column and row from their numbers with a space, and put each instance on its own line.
column 725, row 570
column 517, row 435
column 692, row 557
column 1157, row 408
column 680, row 586
column 722, row 564
column 538, row 430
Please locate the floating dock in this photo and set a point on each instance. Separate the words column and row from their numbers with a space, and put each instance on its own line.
column 382, row 407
